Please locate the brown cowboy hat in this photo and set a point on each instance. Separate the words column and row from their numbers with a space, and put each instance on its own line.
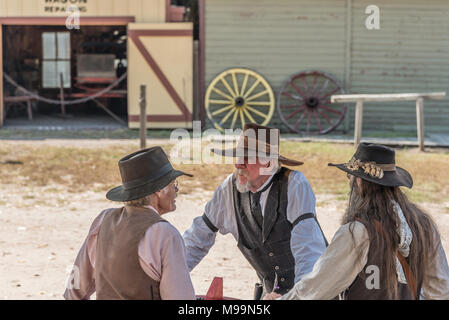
column 258, row 141
column 143, row 172
column 376, row 163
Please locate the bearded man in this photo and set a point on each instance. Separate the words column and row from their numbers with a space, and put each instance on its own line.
column 131, row 252
column 270, row 211
column 387, row 247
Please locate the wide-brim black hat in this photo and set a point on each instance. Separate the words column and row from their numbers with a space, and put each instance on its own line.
column 376, row 163
column 143, row 172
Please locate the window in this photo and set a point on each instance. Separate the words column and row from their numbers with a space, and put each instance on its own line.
column 56, row 59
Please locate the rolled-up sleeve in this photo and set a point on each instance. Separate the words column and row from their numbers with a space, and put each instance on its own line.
column 163, row 257
column 199, row 238
column 219, row 212
column 337, row 268
column 307, row 241
column 307, row 245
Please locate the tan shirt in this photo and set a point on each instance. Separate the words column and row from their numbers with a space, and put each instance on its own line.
column 162, row 256
column 339, row 265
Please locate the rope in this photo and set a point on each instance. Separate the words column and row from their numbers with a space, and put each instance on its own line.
column 51, row 101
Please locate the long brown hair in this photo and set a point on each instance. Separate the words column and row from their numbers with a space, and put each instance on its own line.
column 371, row 202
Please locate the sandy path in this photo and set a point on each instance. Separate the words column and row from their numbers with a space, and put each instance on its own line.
column 40, row 235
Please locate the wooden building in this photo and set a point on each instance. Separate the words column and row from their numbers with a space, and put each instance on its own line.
column 148, row 35
column 408, row 53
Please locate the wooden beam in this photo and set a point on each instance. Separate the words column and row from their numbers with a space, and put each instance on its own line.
column 1, row 77
column 420, row 122
column 358, row 122
column 386, row 97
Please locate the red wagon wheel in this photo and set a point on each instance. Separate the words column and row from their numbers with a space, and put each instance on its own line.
column 304, row 103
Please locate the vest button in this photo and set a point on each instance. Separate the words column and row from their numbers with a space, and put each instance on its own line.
column 282, row 279
column 276, row 268
column 271, row 254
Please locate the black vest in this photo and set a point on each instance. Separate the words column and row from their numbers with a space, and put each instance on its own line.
column 359, row 290
column 267, row 249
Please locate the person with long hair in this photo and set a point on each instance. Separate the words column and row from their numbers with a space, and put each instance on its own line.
column 386, row 248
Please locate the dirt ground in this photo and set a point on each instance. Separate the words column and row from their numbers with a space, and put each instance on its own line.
column 41, row 235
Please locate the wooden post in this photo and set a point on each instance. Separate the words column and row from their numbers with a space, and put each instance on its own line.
column 61, row 81
column 420, row 122
column 2, row 113
column 358, row 122
column 143, row 117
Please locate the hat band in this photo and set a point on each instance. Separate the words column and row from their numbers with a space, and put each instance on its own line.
column 138, row 182
column 371, row 168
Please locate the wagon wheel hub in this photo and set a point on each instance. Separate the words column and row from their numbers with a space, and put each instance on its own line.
column 239, row 101
column 312, row 102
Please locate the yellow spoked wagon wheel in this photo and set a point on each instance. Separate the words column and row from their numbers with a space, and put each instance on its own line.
column 237, row 96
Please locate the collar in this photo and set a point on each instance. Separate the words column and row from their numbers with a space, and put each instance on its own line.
column 266, row 185
column 151, row 207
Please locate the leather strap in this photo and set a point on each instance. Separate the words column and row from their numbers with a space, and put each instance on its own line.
column 409, row 276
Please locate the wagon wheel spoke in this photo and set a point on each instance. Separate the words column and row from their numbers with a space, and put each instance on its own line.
column 330, row 93
column 315, row 78
column 257, row 95
column 317, row 120
column 234, row 119
column 242, row 118
column 324, row 116
column 248, row 115
column 330, row 109
column 260, row 114
column 227, row 116
column 309, row 117
column 221, row 93
column 245, row 81
column 219, row 111
column 295, row 112
column 297, row 89
column 234, row 81
column 259, row 103
column 251, row 89
column 226, row 84
column 220, row 101
column 288, row 94
column 300, row 119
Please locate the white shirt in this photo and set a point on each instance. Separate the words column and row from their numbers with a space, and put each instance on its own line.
column 306, row 242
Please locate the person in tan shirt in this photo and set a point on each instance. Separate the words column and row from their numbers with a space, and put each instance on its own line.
column 132, row 252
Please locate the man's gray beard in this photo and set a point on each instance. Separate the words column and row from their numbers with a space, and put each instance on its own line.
column 242, row 188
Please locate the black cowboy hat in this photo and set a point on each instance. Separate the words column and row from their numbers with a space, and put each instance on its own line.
column 255, row 140
column 143, row 172
column 376, row 163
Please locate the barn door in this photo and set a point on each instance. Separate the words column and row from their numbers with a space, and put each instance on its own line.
column 161, row 57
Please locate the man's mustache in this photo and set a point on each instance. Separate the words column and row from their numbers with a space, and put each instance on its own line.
column 242, row 172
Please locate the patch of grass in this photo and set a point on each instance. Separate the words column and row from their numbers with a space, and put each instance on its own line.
column 79, row 169
column 125, row 133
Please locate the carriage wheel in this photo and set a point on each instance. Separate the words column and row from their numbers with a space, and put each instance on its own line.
column 304, row 103
column 237, row 96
